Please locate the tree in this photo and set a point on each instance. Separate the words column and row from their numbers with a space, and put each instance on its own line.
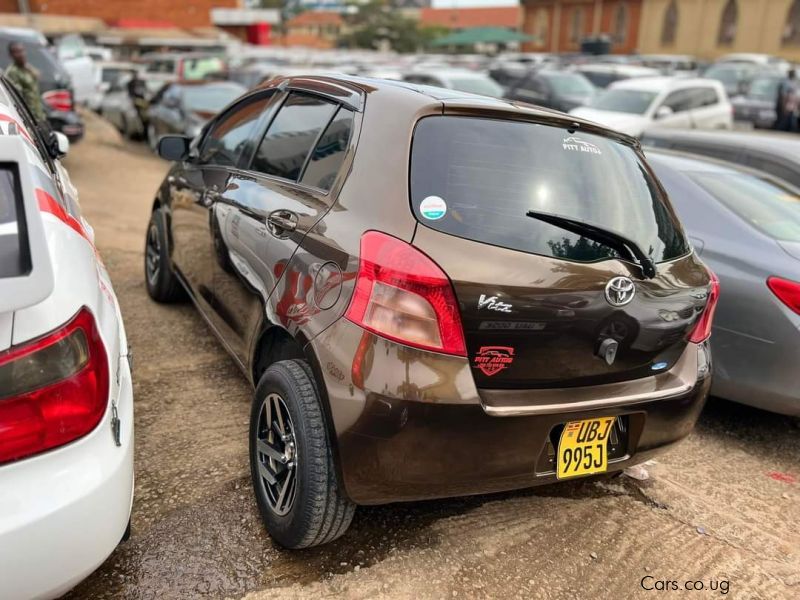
column 376, row 25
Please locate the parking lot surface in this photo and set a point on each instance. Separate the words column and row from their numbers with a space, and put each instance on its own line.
column 720, row 509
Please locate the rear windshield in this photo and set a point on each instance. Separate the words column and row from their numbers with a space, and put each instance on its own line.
column 477, row 179
column 771, row 208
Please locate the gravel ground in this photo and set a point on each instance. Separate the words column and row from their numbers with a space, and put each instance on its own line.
column 721, row 508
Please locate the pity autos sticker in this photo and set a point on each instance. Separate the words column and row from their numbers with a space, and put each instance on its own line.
column 493, row 359
column 575, row 144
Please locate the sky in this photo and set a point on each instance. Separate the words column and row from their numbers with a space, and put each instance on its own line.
column 466, row 3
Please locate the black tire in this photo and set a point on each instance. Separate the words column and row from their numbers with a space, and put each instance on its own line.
column 319, row 511
column 161, row 281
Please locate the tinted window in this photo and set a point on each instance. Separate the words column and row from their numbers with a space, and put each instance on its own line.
column 227, row 140
column 768, row 206
column 326, row 160
column 679, row 101
column 291, row 135
column 14, row 251
column 490, row 173
column 703, row 96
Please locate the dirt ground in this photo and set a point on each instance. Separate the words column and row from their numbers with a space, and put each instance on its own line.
column 720, row 509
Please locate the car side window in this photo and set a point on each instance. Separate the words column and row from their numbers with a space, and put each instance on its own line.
column 291, row 135
column 678, row 101
column 228, row 138
column 328, row 156
column 704, row 96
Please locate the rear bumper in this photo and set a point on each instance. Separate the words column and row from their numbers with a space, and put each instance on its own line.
column 63, row 512
column 68, row 123
column 411, row 425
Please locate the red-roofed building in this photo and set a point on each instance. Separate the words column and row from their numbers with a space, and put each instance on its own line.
column 314, row 28
column 509, row 17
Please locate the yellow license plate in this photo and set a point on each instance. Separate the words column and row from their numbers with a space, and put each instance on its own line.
column 583, row 447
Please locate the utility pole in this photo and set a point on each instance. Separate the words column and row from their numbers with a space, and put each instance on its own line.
column 25, row 9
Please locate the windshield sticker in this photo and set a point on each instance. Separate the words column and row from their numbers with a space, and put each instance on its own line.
column 576, row 144
column 433, row 208
column 493, row 359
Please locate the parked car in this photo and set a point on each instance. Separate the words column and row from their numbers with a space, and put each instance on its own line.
column 603, row 75
column 456, row 79
column 188, row 66
column 108, row 73
column 54, row 81
column 664, row 102
column 66, row 405
column 763, row 60
column 776, row 153
column 118, row 106
column 736, row 76
column 746, row 226
column 383, row 336
column 184, row 107
column 758, row 105
column 71, row 51
column 560, row 90
column 671, row 64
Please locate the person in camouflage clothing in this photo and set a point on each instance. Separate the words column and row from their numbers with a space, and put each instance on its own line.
column 26, row 79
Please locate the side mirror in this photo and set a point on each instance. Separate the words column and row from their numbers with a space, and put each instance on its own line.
column 174, row 147
column 59, row 145
column 663, row 112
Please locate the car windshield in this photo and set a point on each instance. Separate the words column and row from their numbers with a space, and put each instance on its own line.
column 764, row 88
column 476, row 85
column 479, row 178
column 570, row 84
column 768, row 206
column 210, row 98
column 635, row 102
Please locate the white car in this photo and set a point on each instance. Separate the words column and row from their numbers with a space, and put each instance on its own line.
column 66, row 401
column 462, row 80
column 634, row 105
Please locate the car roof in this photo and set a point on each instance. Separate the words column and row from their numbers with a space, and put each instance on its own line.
column 474, row 103
column 774, row 142
column 658, row 84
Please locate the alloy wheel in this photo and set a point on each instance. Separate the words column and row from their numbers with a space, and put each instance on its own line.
column 152, row 254
column 277, row 454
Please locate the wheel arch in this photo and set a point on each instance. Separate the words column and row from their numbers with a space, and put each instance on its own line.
column 275, row 344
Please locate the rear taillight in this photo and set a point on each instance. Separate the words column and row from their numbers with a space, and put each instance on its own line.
column 53, row 390
column 59, row 100
column 404, row 296
column 787, row 291
column 702, row 330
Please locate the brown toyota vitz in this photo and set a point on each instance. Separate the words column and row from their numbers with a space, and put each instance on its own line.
column 433, row 293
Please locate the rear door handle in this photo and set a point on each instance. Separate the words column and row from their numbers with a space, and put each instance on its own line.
column 281, row 222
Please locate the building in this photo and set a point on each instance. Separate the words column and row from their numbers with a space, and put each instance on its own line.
column 196, row 13
column 509, row 17
column 711, row 28
column 314, row 29
column 561, row 25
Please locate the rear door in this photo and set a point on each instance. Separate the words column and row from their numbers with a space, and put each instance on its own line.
column 708, row 109
column 680, row 102
column 539, row 303
column 265, row 211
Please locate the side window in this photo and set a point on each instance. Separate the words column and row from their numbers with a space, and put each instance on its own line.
column 679, row 101
column 327, row 158
column 291, row 136
column 705, row 96
column 229, row 136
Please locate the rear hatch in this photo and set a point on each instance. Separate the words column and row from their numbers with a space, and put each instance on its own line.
column 543, row 305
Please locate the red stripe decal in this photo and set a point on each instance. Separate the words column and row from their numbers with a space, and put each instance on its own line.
column 20, row 127
column 48, row 204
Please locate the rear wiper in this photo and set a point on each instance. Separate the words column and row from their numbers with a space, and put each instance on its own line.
column 608, row 238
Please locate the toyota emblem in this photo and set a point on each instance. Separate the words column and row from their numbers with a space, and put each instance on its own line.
column 620, row 291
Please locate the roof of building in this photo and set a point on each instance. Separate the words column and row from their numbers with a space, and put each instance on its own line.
column 462, row 18
column 315, row 17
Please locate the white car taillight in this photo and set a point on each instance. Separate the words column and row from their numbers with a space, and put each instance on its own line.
column 53, row 390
